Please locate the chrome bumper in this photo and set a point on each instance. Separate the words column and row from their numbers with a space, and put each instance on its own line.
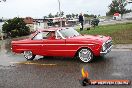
column 106, row 51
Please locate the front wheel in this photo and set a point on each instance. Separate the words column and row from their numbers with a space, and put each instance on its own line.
column 29, row 55
column 85, row 55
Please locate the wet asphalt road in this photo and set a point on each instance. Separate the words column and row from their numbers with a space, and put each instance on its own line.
column 56, row 72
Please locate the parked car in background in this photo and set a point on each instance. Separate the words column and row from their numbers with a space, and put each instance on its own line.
column 65, row 42
column 95, row 22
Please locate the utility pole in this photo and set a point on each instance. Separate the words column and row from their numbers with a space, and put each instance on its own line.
column 60, row 14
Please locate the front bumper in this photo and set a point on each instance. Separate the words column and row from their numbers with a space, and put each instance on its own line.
column 106, row 51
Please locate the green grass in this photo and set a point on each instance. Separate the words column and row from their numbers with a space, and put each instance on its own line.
column 120, row 33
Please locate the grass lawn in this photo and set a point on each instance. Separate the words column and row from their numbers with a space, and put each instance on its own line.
column 120, row 33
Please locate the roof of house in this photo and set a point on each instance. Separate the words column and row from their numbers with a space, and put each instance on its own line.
column 28, row 20
column 116, row 14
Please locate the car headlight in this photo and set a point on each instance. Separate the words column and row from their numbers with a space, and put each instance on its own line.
column 106, row 45
column 103, row 47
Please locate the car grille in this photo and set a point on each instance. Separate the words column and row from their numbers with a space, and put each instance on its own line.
column 108, row 44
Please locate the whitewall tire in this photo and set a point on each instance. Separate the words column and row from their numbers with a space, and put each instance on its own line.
column 85, row 55
column 29, row 55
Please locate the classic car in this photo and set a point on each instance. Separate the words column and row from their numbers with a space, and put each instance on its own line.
column 65, row 42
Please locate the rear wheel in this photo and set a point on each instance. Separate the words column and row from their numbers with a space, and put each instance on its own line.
column 85, row 55
column 29, row 55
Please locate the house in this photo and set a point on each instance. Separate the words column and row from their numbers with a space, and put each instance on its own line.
column 56, row 21
column 72, row 21
column 1, row 34
column 29, row 22
column 127, row 16
column 117, row 16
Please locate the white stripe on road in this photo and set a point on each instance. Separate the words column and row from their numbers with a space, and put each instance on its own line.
column 32, row 63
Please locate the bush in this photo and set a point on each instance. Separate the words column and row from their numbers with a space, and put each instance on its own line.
column 15, row 27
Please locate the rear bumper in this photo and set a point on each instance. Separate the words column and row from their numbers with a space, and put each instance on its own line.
column 106, row 51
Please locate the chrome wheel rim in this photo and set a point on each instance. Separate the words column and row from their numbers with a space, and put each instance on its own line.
column 85, row 55
column 28, row 54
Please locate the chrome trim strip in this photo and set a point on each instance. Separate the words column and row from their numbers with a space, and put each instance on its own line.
column 57, row 44
column 28, row 44
column 81, row 44
column 106, row 51
column 63, row 50
column 106, row 42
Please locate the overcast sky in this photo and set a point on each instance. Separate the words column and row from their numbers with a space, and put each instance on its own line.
column 40, row 8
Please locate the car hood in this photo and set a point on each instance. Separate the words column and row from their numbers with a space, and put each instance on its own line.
column 93, row 38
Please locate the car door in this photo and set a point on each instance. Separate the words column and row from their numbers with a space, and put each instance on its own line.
column 38, row 43
column 57, row 46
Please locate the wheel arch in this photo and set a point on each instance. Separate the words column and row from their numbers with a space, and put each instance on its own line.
column 84, row 47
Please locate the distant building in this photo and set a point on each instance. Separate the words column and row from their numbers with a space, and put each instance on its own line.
column 129, row 1
column 1, row 34
column 38, row 23
column 43, row 23
column 72, row 21
column 127, row 15
column 117, row 16
column 56, row 21
column 29, row 22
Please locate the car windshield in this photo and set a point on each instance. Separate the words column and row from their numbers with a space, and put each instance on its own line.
column 69, row 32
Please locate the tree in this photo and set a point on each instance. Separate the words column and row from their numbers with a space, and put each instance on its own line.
column 15, row 27
column 73, row 15
column 57, row 14
column 50, row 16
column 117, row 6
column 68, row 16
column 45, row 17
column 86, row 15
column 62, row 13
column 77, row 15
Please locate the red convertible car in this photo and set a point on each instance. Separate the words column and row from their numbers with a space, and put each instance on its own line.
column 65, row 42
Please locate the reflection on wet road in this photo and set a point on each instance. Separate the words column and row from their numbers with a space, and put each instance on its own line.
column 56, row 72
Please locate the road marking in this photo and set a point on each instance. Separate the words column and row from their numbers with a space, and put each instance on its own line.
column 32, row 63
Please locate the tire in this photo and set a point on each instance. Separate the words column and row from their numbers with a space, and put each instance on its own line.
column 29, row 55
column 85, row 55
